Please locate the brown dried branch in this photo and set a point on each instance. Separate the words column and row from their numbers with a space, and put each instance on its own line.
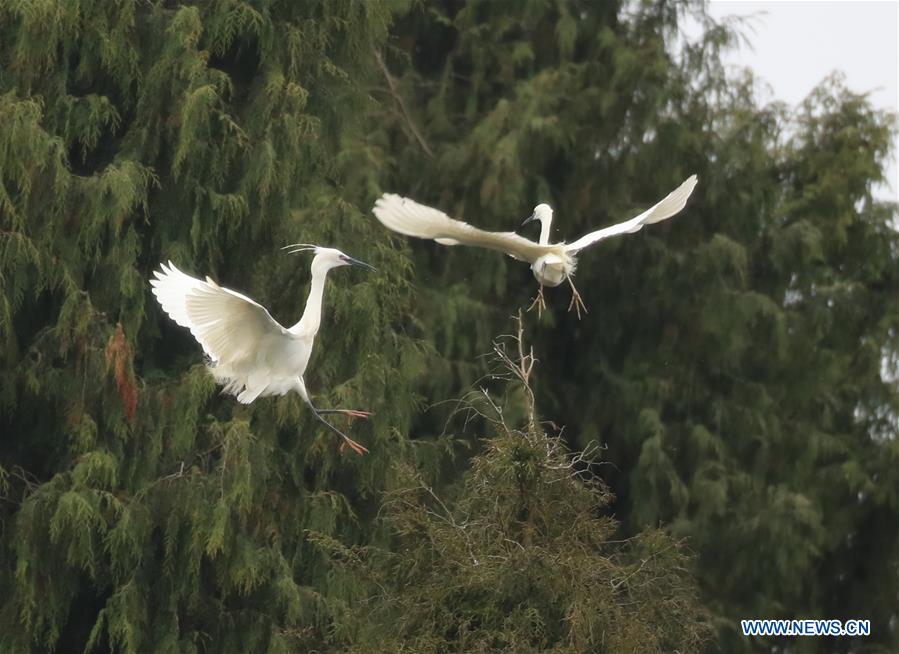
column 391, row 84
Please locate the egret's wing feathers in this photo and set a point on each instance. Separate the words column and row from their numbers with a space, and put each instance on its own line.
column 413, row 219
column 227, row 324
column 672, row 204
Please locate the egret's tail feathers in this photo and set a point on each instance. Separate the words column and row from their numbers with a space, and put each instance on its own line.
column 249, row 394
column 673, row 203
column 249, row 387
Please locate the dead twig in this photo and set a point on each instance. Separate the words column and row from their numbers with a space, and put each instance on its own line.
column 391, row 84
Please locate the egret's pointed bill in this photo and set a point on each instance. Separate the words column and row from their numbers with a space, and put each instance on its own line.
column 309, row 247
column 355, row 262
column 251, row 354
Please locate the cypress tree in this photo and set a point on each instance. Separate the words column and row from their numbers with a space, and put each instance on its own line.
column 521, row 556
column 141, row 511
column 737, row 364
column 738, row 360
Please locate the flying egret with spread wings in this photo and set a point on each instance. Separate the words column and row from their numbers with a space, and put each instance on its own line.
column 250, row 353
column 552, row 263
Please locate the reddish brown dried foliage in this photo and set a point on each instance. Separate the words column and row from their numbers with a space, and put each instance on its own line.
column 118, row 356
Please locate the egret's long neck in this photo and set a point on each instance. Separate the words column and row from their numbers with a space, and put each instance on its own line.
column 544, row 229
column 312, row 315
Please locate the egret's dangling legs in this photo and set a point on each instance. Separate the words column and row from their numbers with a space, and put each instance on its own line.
column 352, row 413
column 353, row 445
column 550, row 262
column 538, row 302
column 250, row 354
column 576, row 300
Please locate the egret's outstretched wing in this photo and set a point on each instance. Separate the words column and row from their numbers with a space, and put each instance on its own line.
column 671, row 205
column 227, row 324
column 413, row 219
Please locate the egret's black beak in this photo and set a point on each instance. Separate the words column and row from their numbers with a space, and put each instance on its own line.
column 356, row 262
column 533, row 216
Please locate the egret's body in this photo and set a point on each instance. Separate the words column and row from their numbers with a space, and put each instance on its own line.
column 251, row 354
column 551, row 263
column 553, row 269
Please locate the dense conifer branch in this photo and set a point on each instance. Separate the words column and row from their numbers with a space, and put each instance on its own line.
column 733, row 369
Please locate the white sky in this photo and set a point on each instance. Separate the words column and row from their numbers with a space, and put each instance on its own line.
column 795, row 44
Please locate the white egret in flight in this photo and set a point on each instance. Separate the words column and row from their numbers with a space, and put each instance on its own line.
column 552, row 263
column 250, row 353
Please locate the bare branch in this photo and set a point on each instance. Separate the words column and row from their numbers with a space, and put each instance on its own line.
column 391, row 84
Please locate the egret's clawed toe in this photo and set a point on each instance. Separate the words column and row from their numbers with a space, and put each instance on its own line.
column 353, row 445
column 353, row 413
column 576, row 300
column 252, row 355
column 538, row 302
column 550, row 262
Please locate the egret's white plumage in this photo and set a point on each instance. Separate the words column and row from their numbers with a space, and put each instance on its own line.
column 672, row 204
column 551, row 263
column 413, row 219
column 250, row 353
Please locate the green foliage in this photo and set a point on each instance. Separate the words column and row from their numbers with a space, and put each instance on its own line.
column 733, row 359
column 524, row 557
column 141, row 512
column 738, row 364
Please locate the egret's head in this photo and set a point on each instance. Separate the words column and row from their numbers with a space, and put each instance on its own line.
column 326, row 258
column 542, row 212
